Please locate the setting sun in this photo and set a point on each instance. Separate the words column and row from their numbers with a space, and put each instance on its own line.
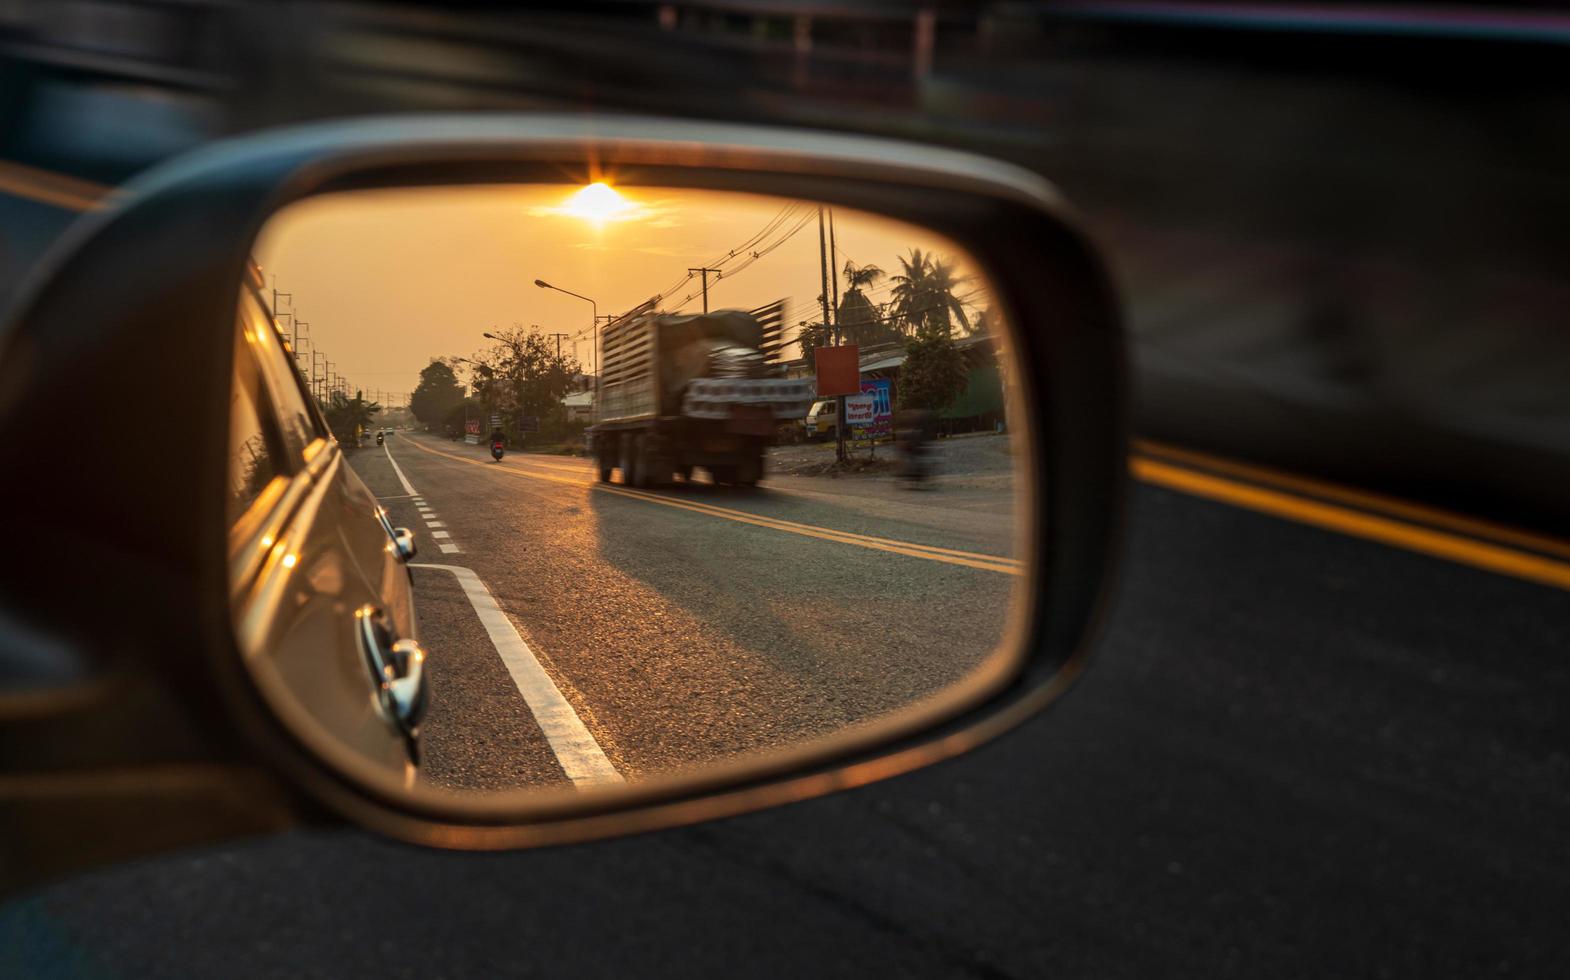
column 599, row 202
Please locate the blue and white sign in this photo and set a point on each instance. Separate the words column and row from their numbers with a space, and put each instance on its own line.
column 882, row 423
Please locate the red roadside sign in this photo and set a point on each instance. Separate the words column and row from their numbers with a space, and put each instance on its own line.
column 838, row 370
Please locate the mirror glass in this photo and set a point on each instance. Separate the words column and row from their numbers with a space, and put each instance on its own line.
column 557, row 487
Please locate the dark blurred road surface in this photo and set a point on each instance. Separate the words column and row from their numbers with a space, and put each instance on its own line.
column 1295, row 754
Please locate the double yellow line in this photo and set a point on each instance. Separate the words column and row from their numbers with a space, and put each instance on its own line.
column 951, row 556
column 1375, row 517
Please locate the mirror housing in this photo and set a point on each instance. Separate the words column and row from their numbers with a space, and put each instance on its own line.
column 160, row 270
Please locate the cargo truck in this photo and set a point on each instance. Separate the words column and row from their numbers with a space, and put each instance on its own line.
column 681, row 392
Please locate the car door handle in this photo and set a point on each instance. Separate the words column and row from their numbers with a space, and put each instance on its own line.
column 397, row 671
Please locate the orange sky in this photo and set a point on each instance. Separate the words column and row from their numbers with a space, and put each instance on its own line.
column 388, row 280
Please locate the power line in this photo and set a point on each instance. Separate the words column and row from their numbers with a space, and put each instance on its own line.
column 755, row 256
column 719, row 262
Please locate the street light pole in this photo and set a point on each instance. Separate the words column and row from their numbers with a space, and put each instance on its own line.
column 594, row 329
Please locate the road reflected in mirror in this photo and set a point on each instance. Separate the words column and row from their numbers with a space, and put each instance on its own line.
column 539, row 487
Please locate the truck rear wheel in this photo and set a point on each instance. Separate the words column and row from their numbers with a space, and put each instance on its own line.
column 642, row 463
column 749, row 473
column 629, row 460
column 723, row 475
column 656, row 469
column 604, row 458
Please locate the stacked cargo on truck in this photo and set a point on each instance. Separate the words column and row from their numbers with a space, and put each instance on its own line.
column 678, row 393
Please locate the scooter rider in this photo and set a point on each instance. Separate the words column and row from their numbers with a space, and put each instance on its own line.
column 498, row 443
column 915, row 430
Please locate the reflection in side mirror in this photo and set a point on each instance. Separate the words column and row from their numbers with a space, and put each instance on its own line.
column 764, row 486
column 403, row 541
column 397, row 669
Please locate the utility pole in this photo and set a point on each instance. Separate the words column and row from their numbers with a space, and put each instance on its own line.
column 828, row 325
column 834, row 279
column 823, row 265
column 704, row 273
column 276, row 297
column 558, row 337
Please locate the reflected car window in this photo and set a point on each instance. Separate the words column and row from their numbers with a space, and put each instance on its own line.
column 294, row 419
column 253, row 461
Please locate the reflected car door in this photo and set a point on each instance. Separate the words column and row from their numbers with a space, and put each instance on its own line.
column 319, row 590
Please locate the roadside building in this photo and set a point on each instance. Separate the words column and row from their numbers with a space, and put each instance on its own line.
column 579, row 405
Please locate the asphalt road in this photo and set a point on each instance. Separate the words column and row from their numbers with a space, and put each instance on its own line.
column 1295, row 754
column 695, row 624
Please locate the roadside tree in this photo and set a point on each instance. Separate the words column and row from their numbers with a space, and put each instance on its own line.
column 812, row 336
column 933, row 374
column 350, row 418
column 436, row 395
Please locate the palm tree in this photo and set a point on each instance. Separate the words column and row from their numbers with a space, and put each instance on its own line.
column 924, row 295
column 857, row 318
column 857, row 276
column 909, row 288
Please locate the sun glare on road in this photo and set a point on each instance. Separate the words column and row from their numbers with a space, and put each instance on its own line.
column 599, row 202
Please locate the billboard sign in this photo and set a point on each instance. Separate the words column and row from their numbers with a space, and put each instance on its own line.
column 860, row 411
column 879, row 421
column 838, row 370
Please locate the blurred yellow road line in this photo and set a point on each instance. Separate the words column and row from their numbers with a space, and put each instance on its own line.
column 56, row 190
column 1373, row 527
column 719, row 511
column 1361, row 499
column 988, row 563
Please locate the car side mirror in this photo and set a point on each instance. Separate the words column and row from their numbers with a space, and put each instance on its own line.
column 403, row 540
column 233, row 623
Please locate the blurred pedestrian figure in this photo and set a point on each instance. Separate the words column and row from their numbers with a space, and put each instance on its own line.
column 915, row 428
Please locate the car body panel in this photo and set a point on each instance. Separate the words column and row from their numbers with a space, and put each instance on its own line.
column 313, row 553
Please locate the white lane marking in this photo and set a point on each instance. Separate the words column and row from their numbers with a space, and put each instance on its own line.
column 580, row 755
column 407, row 487
column 435, row 523
column 449, row 549
column 440, row 534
